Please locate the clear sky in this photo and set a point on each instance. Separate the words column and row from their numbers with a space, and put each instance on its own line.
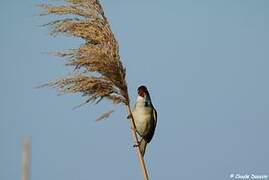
column 204, row 62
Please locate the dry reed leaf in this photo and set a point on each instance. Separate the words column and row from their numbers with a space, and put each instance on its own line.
column 104, row 115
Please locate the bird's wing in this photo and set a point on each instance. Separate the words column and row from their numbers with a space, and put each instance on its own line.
column 154, row 112
column 154, row 123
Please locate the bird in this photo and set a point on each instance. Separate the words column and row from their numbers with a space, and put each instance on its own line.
column 145, row 118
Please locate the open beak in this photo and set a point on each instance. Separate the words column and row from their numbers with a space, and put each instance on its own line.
column 141, row 93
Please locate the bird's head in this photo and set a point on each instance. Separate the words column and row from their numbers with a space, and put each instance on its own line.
column 143, row 93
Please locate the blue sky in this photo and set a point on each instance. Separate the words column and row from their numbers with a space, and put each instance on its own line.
column 204, row 62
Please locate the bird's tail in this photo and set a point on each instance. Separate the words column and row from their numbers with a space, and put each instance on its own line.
column 142, row 146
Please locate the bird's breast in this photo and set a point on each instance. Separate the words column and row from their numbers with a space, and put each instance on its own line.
column 142, row 117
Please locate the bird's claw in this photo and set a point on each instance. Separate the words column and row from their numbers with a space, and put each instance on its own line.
column 132, row 128
column 136, row 145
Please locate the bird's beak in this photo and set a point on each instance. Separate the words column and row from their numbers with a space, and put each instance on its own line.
column 141, row 93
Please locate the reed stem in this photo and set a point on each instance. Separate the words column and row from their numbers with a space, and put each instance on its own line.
column 25, row 159
column 135, row 139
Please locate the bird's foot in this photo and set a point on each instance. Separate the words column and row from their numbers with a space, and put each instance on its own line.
column 137, row 144
column 132, row 128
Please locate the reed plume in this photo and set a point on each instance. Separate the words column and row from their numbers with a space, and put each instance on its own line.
column 98, row 71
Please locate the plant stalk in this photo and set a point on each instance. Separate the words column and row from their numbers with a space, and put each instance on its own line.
column 135, row 139
column 25, row 159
